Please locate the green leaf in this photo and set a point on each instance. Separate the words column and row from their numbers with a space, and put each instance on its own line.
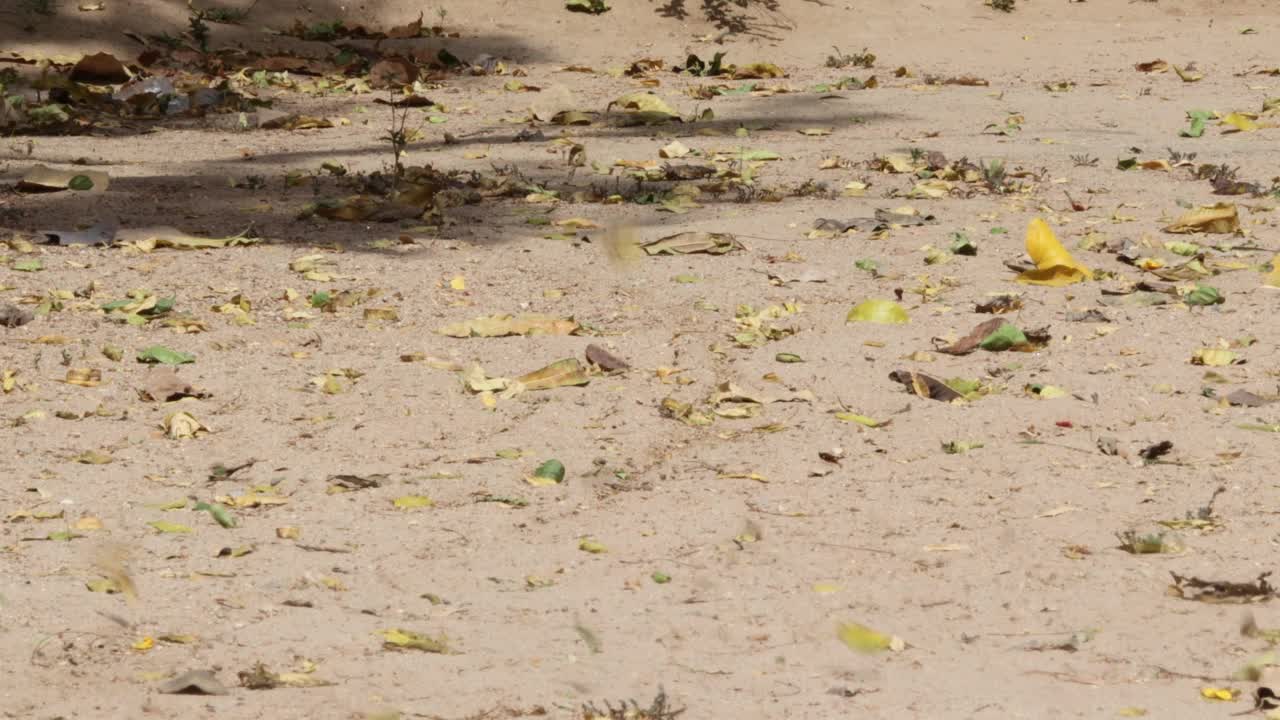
column 1005, row 337
column 80, row 182
column 868, row 265
column 788, row 358
column 661, row 578
column 164, row 356
column 548, row 473
column 1198, row 118
column 959, row 447
column 1204, row 295
column 319, row 299
column 218, row 512
column 1126, row 163
column 397, row 639
column 32, row 265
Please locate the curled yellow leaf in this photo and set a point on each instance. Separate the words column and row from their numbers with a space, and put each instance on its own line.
column 1054, row 265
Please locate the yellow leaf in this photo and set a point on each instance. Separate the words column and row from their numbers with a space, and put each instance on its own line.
column 1213, row 357
column 594, row 547
column 1217, row 218
column 180, row 425
column 144, row 644
column 288, row 532
column 883, row 312
column 1215, row 693
column 412, row 502
column 1054, row 265
column 860, row 419
column 458, row 283
column 165, row 526
column 84, row 377
column 93, row 457
column 576, row 222
column 1240, row 121
column 863, row 639
column 397, row 639
column 823, row 588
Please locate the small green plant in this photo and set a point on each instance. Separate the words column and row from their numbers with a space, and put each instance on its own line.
column 840, row 60
column 593, row 7
column 993, row 174
column 1084, row 160
column 1152, row 544
column 198, row 29
column 39, row 7
column 1002, row 5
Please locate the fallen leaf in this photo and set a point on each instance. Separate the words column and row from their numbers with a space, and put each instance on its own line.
column 1218, row 218
column 547, row 474
column 412, row 502
column 165, row 356
column 692, row 242
column 42, row 179
column 398, row 639
column 504, row 325
column 164, row 526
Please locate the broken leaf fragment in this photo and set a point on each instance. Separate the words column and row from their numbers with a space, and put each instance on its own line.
column 1054, row 265
column 881, row 312
column 863, row 639
column 398, row 639
column 547, row 474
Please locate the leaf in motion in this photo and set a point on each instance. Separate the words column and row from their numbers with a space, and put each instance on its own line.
column 863, row 639
column 881, row 312
column 1054, row 265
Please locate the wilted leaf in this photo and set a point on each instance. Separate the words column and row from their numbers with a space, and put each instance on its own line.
column 561, row 373
column 181, row 425
column 1221, row 591
column 642, row 102
column 926, row 386
column 882, row 312
column 1218, row 218
column 1214, row 357
column 692, row 242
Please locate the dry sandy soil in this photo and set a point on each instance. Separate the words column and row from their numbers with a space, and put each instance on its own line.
column 999, row 568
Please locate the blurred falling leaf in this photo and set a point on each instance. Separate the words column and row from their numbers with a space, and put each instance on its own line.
column 863, row 639
column 881, row 312
column 1054, row 265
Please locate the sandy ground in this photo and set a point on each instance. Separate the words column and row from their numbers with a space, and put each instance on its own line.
column 986, row 564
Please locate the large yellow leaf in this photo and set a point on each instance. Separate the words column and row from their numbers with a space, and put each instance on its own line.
column 1217, row 218
column 1054, row 265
